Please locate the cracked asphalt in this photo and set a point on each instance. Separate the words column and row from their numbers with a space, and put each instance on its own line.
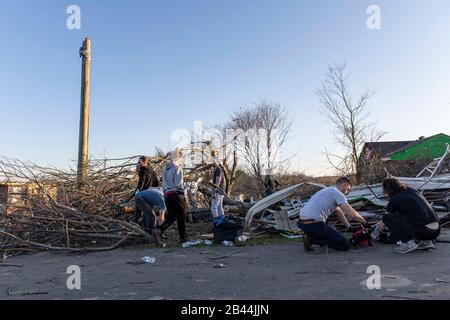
column 250, row 272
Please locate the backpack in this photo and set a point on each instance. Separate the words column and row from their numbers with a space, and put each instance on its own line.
column 227, row 228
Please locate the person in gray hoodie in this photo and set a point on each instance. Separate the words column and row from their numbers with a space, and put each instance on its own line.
column 172, row 183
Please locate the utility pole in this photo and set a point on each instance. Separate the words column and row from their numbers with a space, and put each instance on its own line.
column 85, row 54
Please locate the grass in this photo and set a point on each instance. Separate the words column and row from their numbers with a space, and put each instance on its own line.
column 197, row 229
column 271, row 240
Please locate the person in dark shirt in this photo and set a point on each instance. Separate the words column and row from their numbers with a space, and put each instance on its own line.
column 410, row 218
column 147, row 179
column 270, row 183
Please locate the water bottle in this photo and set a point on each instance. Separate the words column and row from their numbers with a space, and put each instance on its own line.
column 191, row 243
column 186, row 244
column 149, row 259
column 375, row 235
column 227, row 243
column 242, row 238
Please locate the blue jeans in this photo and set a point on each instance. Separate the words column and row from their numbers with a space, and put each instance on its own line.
column 323, row 234
column 154, row 197
column 148, row 219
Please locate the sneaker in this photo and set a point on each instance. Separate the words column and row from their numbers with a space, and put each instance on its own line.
column 307, row 243
column 426, row 244
column 409, row 246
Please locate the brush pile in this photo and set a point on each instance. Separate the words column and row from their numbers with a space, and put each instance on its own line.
column 50, row 212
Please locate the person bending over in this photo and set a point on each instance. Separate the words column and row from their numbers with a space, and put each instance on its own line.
column 145, row 201
column 314, row 215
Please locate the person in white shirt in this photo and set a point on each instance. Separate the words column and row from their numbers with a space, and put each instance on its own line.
column 314, row 216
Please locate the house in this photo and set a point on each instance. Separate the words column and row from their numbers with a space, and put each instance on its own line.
column 400, row 158
column 10, row 194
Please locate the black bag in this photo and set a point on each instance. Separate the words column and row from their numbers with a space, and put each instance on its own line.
column 227, row 229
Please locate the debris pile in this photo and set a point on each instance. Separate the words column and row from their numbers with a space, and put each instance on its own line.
column 54, row 214
column 280, row 210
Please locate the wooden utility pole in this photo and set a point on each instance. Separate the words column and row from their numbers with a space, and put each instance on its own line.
column 85, row 54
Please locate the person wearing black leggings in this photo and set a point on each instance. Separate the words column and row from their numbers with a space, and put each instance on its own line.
column 410, row 218
column 174, row 196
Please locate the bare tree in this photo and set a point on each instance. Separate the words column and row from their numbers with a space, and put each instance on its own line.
column 230, row 158
column 349, row 116
column 260, row 133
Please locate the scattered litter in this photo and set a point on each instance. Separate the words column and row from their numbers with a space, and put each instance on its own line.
column 191, row 243
column 440, row 280
column 228, row 243
column 147, row 259
column 208, row 242
column 220, row 266
column 144, row 260
column 242, row 239
column 274, row 198
column 25, row 293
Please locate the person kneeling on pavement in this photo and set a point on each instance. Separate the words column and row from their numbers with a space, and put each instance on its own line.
column 145, row 201
column 410, row 218
column 314, row 215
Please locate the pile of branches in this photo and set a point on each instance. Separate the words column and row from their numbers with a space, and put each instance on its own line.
column 50, row 226
column 51, row 212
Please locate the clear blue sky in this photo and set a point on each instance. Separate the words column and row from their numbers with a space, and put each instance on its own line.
column 161, row 65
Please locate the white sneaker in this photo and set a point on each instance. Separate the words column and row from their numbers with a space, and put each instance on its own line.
column 409, row 246
column 426, row 244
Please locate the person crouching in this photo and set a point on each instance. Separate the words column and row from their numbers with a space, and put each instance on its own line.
column 410, row 218
column 314, row 216
column 145, row 201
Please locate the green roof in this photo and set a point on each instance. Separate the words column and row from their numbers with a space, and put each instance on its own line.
column 429, row 148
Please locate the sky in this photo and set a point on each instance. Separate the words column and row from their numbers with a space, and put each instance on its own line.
column 162, row 65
